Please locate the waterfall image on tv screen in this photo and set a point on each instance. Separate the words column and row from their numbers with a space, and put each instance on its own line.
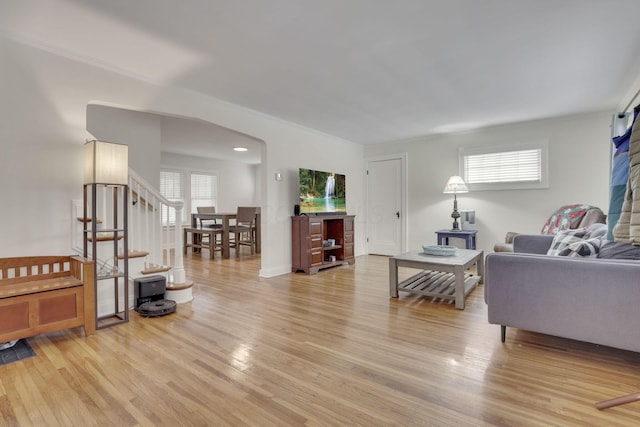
column 322, row 192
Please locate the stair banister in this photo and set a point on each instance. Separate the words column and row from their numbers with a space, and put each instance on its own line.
column 149, row 199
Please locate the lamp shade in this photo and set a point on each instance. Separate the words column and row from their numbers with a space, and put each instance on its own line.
column 106, row 163
column 455, row 185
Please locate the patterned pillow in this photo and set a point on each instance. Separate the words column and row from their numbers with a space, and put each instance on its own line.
column 575, row 243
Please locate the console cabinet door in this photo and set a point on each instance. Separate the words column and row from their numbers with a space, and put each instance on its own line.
column 315, row 241
column 348, row 239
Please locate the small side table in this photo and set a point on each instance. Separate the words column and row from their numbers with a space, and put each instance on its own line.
column 469, row 237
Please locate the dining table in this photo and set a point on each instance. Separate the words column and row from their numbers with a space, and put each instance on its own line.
column 226, row 218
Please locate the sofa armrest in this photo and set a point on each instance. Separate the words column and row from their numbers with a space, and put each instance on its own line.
column 532, row 243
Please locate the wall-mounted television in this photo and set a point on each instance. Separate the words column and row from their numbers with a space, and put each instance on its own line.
column 322, row 192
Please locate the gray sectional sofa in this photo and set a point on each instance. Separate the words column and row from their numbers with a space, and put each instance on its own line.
column 588, row 299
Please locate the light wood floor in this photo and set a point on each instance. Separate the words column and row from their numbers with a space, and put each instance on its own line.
column 328, row 349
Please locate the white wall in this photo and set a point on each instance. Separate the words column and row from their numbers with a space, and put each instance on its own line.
column 145, row 134
column 236, row 181
column 39, row 162
column 43, row 127
column 579, row 148
column 309, row 151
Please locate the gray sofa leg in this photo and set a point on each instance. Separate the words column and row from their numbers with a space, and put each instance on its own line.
column 503, row 332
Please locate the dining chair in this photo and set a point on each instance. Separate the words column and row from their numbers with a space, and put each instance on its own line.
column 244, row 230
column 208, row 223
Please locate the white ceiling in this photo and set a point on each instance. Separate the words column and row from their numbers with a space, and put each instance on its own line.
column 365, row 70
column 198, row 138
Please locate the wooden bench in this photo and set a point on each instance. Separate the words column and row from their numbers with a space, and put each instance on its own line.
column 197, row 240
column 44, row 294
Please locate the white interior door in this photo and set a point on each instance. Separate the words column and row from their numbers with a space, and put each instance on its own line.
column 385, row 200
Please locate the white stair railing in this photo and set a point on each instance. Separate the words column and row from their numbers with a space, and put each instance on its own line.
column 155, row 226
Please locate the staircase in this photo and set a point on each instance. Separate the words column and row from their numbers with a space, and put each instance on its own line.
column 155, row 241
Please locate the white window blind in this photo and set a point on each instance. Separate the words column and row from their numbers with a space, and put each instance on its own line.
column 515, row 166
column 507, row 166
column 203, row 190
column 170, row 187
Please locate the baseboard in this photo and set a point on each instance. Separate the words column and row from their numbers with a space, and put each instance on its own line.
column 275, row 271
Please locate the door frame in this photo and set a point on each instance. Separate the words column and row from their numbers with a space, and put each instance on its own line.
column 403, row 195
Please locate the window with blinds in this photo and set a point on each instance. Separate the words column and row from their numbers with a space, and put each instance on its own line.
column 204, row 190
column 505, row 167
column 170, row 187
column 176, row 184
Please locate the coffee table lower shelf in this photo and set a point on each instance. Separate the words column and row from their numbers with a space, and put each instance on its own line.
column 437, row 284
column 444, row 277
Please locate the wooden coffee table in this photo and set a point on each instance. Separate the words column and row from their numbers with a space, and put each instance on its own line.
column 442, row 277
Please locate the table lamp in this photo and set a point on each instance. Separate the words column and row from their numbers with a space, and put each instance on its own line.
column 455, row 185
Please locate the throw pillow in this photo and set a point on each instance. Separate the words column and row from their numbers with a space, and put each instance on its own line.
column 575, row 243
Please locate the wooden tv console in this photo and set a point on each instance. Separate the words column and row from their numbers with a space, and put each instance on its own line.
column 310, row 234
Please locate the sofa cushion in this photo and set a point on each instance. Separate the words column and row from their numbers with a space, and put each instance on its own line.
column 575, row 243
column 619, row 250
